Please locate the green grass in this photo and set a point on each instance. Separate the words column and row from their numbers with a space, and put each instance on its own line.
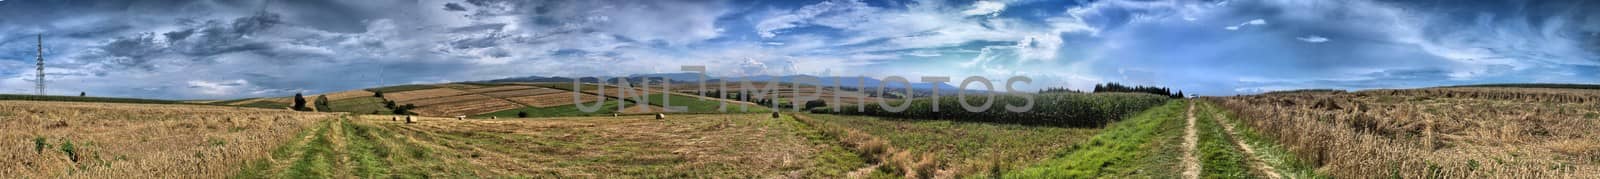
column 834, row 159
column 969, row 148
column 317, row 157
column 225, row 102
column 1270, row 152
column 606, row 109
column 360, row 105
column 1218, row 155
column 696, row 105
column 402, row 88
column 266, row 104
column 1144, row 146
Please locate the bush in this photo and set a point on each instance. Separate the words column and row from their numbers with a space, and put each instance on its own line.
column 813, row 104
column 322, row 103
column 299, row 103
column 404, row 110
column 522, row 114
column 1060, row 109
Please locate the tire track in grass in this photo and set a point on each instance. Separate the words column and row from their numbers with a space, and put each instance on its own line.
column 1191, row 164
column 1254, row 160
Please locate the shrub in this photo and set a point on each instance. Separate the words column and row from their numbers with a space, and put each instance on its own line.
column 322, row 103
column 404, row 110
column 813, row 104
column 522, row 114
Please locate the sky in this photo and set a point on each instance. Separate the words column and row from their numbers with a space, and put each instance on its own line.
column 225, row 49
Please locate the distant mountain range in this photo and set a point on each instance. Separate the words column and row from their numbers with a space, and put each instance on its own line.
column 688, row 78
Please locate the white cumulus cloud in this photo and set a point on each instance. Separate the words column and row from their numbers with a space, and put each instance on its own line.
column 985, row 8
column 1313, row 39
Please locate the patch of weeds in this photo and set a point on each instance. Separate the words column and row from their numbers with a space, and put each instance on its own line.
column 1472, row 164
column 39, row 145
column 71, row 151
column 216, row 142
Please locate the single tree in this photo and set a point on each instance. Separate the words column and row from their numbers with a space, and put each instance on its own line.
column 322, row 103
column 522, row 114
column 82, row 94
column 378, row 94
column 299, row 102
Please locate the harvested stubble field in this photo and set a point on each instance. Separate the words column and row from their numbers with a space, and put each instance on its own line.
column 554, row 99
column 949, row 149
column 499, row 88
column 346, row 95
column 524, row 92
column 445, row 99
column 1422, row 133
column 420, row 94
column 467, row 108
column 733, row 146
column 105, row 140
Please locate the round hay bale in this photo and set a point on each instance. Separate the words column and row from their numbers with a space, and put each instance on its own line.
column 494, row 117
column 461, row 117
column 661, row 116
column 409, row 120
column 394, row 118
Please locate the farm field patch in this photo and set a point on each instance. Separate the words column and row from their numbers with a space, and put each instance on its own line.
column 420, row 94
column 106, row 140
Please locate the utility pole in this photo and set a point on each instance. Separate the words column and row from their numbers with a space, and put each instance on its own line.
column 40, row 84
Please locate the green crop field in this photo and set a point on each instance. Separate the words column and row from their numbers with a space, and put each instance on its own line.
column 606, row 109
column 360, row 105
column 401, row 88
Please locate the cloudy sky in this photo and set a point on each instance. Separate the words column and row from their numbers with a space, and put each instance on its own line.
column 184, row 49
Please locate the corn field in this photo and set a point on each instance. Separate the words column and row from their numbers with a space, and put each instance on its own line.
column 1434, row 133
column 1062, row 109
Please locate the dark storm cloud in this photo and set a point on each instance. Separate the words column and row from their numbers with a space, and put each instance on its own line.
column 230, row 49
column 454, row 7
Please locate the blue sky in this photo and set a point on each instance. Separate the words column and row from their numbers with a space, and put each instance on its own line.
column 186, row 49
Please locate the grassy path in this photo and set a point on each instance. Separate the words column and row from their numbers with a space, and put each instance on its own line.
column 1254, row 159
column 1191, row 164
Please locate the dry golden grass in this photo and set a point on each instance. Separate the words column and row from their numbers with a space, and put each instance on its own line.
column 1445, row 132
column 553, row 99
column 525, row 92
column 467, row 108
column 138, row 140
column 643, row 109
column 345, row 95
column 420, row 94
